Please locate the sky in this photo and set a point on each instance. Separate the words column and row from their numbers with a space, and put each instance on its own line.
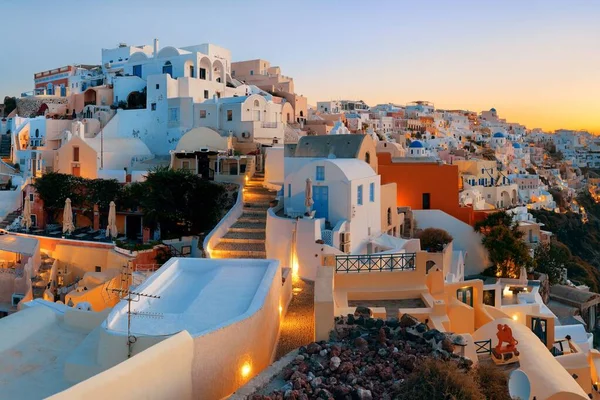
column 536, row 61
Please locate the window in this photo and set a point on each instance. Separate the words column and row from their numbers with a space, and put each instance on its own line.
column 157, row 86
column 368, row 158
column 359, row 195
column 202, row 113
column 185, row 165
column 98, row 268
column 426, row 201
column 320, row 173
column 173, row 114
column 465, row 295
column 30, row 196
column 256, row 103
column 202, row 73
column 153, row 106
column 168, row 68
column 232, row 73
column 137, row 70
column 289, row 190
column 206, row 94
column 192, row 71
column 371, row 192
column 229, row 115
column 389, row 216
column 75, row 154
column 251, row 72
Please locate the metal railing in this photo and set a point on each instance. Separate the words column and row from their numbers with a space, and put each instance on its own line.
column 269, row 124
column 483, row 346
column 372, row 262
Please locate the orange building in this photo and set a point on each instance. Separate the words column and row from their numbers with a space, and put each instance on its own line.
column 424, row 185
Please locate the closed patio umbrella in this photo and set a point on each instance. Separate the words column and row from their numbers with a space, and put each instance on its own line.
column 308, row 198
column 111, row 229
column 68, row 226
column 26, row 218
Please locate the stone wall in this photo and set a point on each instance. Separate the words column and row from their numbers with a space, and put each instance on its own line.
column 28, row 106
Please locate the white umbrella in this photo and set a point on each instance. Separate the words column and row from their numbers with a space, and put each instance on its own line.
column 26, row 219
column 68, row 226
column 523, row 276
column 111, row 229
column 308, row 200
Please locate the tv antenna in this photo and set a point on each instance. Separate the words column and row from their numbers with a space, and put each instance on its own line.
column 134, row 297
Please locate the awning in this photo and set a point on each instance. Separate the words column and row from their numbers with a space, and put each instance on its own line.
column 18, row 244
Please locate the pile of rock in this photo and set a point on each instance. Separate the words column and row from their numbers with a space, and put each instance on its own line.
column 366, row 358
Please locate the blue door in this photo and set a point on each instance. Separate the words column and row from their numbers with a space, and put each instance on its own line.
column 321, row 201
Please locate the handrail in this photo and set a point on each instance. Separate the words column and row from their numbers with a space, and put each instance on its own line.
column 483, row 346
column 375, row 262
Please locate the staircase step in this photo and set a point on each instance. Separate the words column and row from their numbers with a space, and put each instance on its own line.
column 253, row 212
column 230, row 250
column 257, row 219
column 241, row 226
column 262, row 205
column 243, row 237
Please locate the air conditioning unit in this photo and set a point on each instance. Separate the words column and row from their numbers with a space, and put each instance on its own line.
column 16, row 298
column 345, row 247
column 245, row 135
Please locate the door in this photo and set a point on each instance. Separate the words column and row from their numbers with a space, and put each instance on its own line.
column 426, row 201
column 34, row 167
column 538, row 327
column 76, row 171
column 133, row 227
column 465, row 295
column 321, row 201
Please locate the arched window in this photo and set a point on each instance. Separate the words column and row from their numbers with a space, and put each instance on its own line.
column 37, row 133
column 168, row 68
column 302, row 113
column 430, row 264
column 368, row 157
column 389, row 216
column 256, row 103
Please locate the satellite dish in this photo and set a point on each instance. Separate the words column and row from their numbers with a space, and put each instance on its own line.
column 519, row 386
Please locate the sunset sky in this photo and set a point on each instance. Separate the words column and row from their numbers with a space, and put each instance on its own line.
column 536, row 62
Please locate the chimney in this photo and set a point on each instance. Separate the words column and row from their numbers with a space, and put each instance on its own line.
column 155, row 47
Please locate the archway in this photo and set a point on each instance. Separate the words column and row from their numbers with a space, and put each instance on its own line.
column 204, row 69
column 218, row 71
column 429, row 265
column 89, row 97
column 505, row 199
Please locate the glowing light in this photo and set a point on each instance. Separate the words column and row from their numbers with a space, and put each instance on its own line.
column 280, row 309
column 246, row 369
column 515, row 317
column 295, row 267
column 246, row 178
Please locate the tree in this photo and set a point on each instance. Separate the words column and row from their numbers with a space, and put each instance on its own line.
column 10, row 103
column 54, row 188
column 504, row 243
column 434, row 240
column 550, row 259
column 488, row 154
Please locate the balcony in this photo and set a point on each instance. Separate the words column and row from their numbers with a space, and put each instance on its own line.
column 268, row 124
column 375, row 263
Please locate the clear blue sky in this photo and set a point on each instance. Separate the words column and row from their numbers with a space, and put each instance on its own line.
column 536, row 61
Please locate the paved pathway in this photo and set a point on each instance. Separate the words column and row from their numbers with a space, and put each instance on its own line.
column 297, row 327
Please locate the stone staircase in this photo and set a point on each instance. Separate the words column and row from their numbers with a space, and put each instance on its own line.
column 9, row 219
column 246, row 237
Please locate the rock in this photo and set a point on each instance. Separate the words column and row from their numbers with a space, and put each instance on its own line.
column 393, row 323
column 324, row 394
column 334, row 363
column 302, row 350
column 345, row 367
column 382, row 352
column 364, row 394
column 315, row 383
column 386, row 373
column 381, row 337
column 447, row 345
column 310, row 376
column 434, row 334
column 458, row 340
column 332, row 380
column 421, row 328
column 408, row 321
column 313, row 348
column 323, row 353
column 362, row 311
column 412, row 335
column 350, row 320
column 360, row 321
column 286, row 387
column 335, row 350
column 299, row 358
column 379, row 323
column 369, row 323
column 359, row 342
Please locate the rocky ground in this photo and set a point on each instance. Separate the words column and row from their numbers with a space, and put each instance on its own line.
column 365, row 359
